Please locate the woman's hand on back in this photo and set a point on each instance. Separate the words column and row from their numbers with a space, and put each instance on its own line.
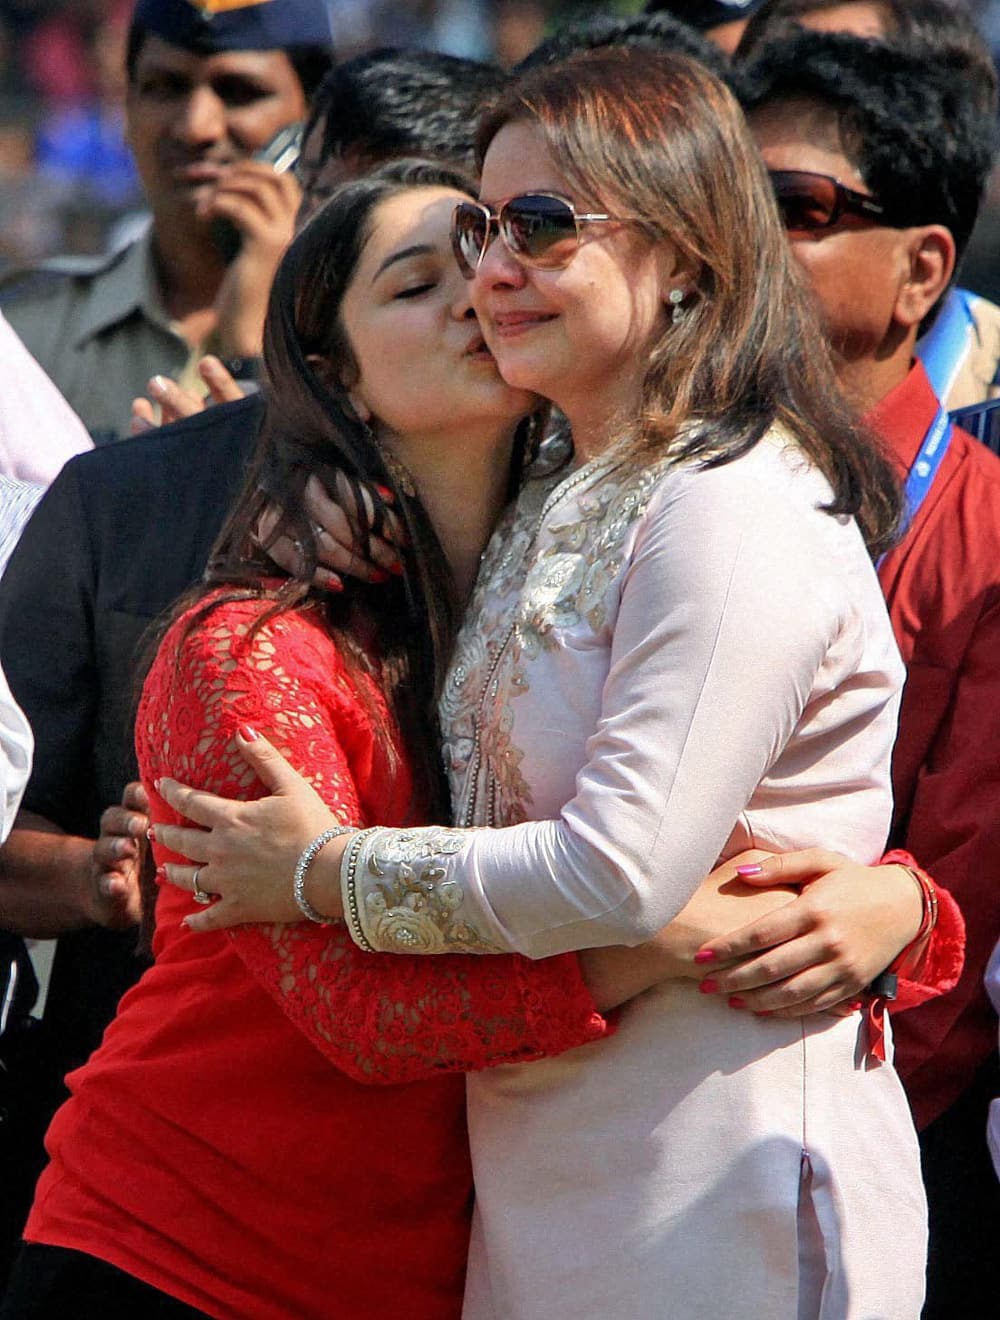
column 847, row 925
column 339, row 538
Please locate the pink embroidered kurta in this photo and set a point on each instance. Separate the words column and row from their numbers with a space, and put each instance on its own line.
column 659, row 669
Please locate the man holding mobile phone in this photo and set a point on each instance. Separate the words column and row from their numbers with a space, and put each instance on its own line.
column 212, row 87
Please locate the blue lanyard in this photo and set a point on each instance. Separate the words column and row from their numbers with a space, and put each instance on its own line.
column 946, row 345
column 925, row 465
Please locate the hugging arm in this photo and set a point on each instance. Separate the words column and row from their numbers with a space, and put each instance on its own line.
column 382, row 1020
column 629, row 850
column 724, row 579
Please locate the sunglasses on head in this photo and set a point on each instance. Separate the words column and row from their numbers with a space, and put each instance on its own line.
column 540, row 229
column 808, row 201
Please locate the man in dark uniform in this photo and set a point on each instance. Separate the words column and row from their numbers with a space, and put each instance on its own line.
column 118, row 537
column 209, row 87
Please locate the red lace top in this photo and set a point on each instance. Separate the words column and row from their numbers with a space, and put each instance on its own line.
column 220, row 1145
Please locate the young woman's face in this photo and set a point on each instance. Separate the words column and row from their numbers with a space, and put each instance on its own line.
column 424, row 368
column 579, row 336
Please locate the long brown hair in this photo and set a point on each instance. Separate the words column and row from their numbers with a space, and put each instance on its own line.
column 657, row 136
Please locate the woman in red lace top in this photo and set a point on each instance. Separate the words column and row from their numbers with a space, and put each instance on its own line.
column 325, row 1195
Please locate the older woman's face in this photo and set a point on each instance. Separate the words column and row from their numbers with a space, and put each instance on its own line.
column 579, row 336
column 424, row 367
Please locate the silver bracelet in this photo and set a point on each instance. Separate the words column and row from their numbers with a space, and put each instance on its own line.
column 306, row 858
column 348, row 884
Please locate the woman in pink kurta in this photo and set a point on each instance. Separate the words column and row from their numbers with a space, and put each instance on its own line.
column 676, row 649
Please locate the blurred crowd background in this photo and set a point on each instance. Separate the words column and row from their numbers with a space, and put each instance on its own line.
column 67, row 183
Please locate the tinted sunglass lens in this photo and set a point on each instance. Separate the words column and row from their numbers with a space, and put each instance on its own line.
column 469, row 236
column 541, row 229
column 805, row 203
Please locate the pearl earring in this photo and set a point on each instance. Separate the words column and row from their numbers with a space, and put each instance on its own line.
column 676, row 298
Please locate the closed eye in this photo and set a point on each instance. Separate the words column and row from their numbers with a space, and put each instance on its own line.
column 415, row 290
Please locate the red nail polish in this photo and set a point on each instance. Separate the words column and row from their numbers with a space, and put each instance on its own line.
column 378, row 576
column 161, row 875
column 752, row 868
column 704, row 956
column 386, row 493
column 736, row 1002
column 248, row 733
column 334, row 584
column 709, row 987
column 151, row 834
column 855, row 1005
column 397, row 568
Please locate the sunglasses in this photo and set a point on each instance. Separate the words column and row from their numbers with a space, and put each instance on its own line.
column 540, row 229
column 809, row 202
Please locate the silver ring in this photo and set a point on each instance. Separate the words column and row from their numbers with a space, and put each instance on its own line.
column 200, row 895
column 317, row 529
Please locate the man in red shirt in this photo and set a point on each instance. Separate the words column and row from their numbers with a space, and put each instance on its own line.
column 878, row 155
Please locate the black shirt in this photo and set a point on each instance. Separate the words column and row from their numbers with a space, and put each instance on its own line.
column 120, row 534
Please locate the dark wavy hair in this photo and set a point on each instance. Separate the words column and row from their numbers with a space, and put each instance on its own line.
column 945, row 28
column 395, row 102
column 657, row 136
column 662, row 32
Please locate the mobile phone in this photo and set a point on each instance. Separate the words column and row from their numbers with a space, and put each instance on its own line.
column 282, row 154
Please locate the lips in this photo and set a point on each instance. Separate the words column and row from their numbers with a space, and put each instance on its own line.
column 198, row 171
column 478, row 348
column 510, row 324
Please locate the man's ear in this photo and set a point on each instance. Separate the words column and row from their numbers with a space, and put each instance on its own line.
column 931, row 254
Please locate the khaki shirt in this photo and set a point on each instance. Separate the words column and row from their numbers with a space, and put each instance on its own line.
column 99, row 328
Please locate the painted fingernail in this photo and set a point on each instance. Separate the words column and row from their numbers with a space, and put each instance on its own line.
column 378, row 576
column 736, row 1002
column 855, row 1005
column 752, row 868
column 333, row 584
column 396, row 568
column 248, row 733
column 386, row 493
column 704, row 956
column 161, row 875
column 708, row 987
column 151, row 834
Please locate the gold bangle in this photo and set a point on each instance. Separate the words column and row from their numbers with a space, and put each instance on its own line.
column 348, row 881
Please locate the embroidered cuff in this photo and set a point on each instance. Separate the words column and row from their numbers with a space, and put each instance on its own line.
column 399, row 896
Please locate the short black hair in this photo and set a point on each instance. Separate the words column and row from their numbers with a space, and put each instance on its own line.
column 311, row 63
column 395, row 102
column 911, row 120
column 661, row 32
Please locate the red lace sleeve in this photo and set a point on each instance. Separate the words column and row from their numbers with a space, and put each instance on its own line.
column 379, row 1017
column 945, row 954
